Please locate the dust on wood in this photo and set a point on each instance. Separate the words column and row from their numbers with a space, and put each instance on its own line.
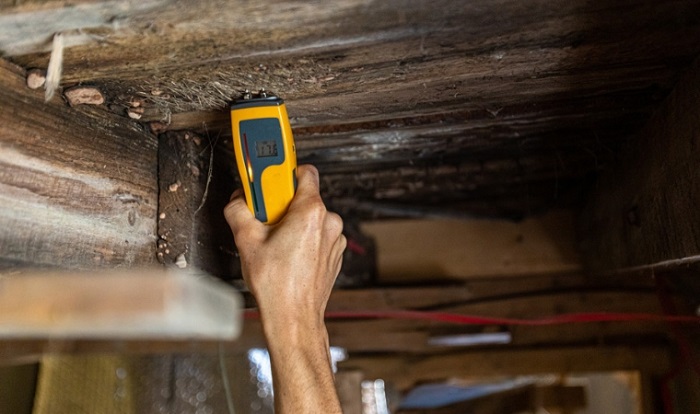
column 195, row 181
column 539, row 94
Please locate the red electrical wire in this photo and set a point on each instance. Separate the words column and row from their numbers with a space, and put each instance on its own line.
column 455, row 318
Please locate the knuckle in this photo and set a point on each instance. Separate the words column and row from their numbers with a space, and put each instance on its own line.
column 334, row 223
column 244, row 235
column 314, row 208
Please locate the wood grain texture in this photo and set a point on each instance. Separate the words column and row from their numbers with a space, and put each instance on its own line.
column 195, row 182
column 77, row 186
column 491, row 108
column 645, row 210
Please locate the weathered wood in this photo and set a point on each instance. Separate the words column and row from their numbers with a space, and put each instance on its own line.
column 195, row 181
column 405, row 371
column 77, row 186
column 520, row 102
column 645, row 210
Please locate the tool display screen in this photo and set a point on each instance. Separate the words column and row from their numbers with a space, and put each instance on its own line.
column 266, row 148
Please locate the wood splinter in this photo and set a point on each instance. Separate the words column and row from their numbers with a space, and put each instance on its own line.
column 88, row 95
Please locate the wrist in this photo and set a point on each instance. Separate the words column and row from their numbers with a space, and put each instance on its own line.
column 292, row 329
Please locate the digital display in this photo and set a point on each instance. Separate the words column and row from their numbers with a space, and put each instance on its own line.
column 266, row 148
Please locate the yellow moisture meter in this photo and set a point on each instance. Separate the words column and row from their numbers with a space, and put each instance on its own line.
column 265, row 154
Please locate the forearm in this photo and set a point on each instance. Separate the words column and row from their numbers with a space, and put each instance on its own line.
column 303, row 380
column 290, row 268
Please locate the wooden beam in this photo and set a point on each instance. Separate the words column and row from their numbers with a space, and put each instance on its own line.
column 410, row 250
column 644, row 210
column 543, row 296
column 405, row 371
column 77, row 186
column 357, row 61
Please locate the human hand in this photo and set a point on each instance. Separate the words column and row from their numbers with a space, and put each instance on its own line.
column 290, row 267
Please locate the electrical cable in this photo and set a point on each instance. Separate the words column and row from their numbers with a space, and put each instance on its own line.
column 568, row 318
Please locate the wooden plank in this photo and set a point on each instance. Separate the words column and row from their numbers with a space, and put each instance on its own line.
column 410, row 250
column 405, row 371
column 110, row 304
column 77, row 187
column 644, row 210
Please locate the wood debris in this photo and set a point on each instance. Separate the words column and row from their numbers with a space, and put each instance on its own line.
column 88, row 95
column 36, row 78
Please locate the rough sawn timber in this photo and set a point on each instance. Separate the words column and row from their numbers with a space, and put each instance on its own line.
column 518, row 103
column 645, row 210
column 77, row 186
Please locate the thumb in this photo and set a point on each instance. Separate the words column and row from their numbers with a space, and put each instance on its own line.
column 237, row 213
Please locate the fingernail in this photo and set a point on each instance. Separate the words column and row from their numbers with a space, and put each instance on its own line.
column 236, row 193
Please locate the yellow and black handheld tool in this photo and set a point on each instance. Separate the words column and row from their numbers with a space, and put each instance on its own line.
column 265, row 154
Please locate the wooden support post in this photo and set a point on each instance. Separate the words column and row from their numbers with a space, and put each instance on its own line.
column 78, row 187
column 196, row 179
column 645, row 209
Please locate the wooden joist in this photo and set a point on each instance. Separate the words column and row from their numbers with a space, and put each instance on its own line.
column 519, row 104
column 645, row 209
column 405, row 371
column 413, row 336
column 77, row 186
